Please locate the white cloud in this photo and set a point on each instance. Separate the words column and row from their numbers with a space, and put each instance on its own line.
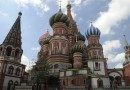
column 26, row 61
column 40, row 4
column 77, row 2
column 73, row 14
column 86, row 2
column 35, row 48
column 118, row 10
column 110, row 48
column 119, row 65
column 119, row 57
column 3, row 14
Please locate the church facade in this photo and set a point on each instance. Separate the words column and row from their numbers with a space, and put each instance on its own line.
column 11, row 70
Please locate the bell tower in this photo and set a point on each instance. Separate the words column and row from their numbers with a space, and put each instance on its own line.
column 12, row 45
column 11, row 69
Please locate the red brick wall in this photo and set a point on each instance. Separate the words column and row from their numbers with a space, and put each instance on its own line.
column 127, row 74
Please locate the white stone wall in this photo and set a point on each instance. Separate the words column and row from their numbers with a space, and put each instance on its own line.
column 61, row 74
column 91, row 64
column 69, row 73
column 82, row 72
column 8, row 78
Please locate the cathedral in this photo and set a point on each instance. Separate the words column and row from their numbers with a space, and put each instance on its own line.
column 76, row 64
column 72, row 63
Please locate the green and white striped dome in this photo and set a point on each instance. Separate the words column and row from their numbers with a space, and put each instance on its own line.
column 59, row 17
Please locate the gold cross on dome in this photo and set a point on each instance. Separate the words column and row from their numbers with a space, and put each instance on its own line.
column 60, row 4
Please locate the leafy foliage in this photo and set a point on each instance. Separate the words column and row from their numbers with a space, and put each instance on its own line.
column 40, row 72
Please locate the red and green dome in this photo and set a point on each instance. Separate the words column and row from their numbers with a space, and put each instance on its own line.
column 44, row 37
column 77, row 48
column 59, row 17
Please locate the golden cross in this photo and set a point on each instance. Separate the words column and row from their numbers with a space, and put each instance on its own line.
column 60, row 4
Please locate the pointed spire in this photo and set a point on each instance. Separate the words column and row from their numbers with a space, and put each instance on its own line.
column 14, row 36
column 69, row 10
column 125, row 41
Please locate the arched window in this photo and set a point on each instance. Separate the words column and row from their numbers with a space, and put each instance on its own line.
column 16, row 52
column 16, row 83
column 96, row 65
column 63, row 82
column 10, row 85
column 10, row 70
column 8, row 51
column 100, row 83
column 0, row 50
column 17, row 72
column 56, row 66
column 84, row 81
column 73, row 82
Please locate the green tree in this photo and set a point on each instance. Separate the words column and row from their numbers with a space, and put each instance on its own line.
column 40, row 72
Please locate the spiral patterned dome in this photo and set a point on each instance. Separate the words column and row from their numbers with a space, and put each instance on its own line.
column 93, row 31
column 80, row 36
column 44, row 37
column 77, row 48
column 59, row 17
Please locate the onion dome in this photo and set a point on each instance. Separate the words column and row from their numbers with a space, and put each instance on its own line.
column 80, row 36
column 77, row 48
column 45, row 41
column 93, row 31
column 44, row 37
column 59, row 17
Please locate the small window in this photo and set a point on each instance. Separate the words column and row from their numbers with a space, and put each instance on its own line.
column 10, row 70
column 73, row 82
column 84, row 81
column 8, row 51
column 56, row 66
column 16, row 52
column 97, row 66
column 63, row 82
column 17, row 72
column 16, row 83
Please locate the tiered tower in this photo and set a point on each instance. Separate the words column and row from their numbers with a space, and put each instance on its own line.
column 11, row 46
column 59, row 43
column 96, row 60
column 126, row 65
column 11, row 69
column 72, row 29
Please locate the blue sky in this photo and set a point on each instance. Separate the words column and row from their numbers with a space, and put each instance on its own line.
column 112, row 17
